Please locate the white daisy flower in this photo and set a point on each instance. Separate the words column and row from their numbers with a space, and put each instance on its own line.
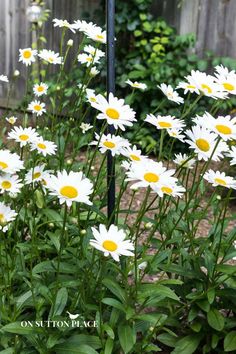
column 149, row 173
column 173, row 190
column 4, row 78
column 70, row 187
column 226, row 79
column 84, row 26
column 220, row 179
column 115, row 111
column 10, row 162
column 232, row 154
column 87, row 59
column 11, row 119
column 10, row 183
column 37, row 107
column 133, row 154
column 184, row 161
column 165, row 122
column 206, row 85
column 94, row 51
column 63, row 23
column 115, row 144
column 6, row 216
column 96, row 34
column 27, row 56
column 50, row 56
column 85, row 127
column 170, row 93
column 203, row 120
column 37, row 174
column 111, row 242
column 44, row 147
column 225, row 127
column 40, row 89
column 91, row 96
column 93, row 71
column 176, row 133
column 189, row 86
column 136, row 84
column 23, row 135
column 203, row 142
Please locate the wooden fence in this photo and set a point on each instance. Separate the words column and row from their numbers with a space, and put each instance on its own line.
column 213, row 22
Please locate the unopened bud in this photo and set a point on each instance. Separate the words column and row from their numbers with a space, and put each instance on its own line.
column 83, row 232
column 16, row 73
column 70, row 42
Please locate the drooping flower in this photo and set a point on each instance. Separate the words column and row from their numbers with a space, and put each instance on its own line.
column 70, row 187
column 133, row 154
column 171, row 189
column 37, row 174
column 94, row 71
column 165, row 122
column 226, row 79
column 44, row 147
column 91, row 96
column 176, row 133
column 136, row 84
column 37, row 107
column 88, row 59
column 10, row 162
column 111, row 242
column 4, row 78
column 203, row 142
column 40, row 89
column 232, row 154
column 113, row 143
column 95, row 52
column 115, row 111
column 220, row 179
column 96, row 34
column 84, row 26
column 27, row 56
column 23, row 135
column 64, row 23
column 50, row 56
column 10, row 183
column 184, row 161
column 171, row 94
column 6, row 216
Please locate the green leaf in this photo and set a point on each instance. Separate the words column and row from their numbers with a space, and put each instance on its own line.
column 60, row 302
column 167, row 339
column 187, row 345
column 215, row 319
column 114, row 303
column 114, row 288
column 8, row 351
column 73, row 348
column 18, row 328
column 109, row 346
column 108, row 330
column 230, row 341
column 127, row 337
column 80, row 339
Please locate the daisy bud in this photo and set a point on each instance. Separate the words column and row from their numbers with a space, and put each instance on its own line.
column 83, row 232
column 70, row 42
column 16, row 73
column 74, row 221
column 148, row 225
column 92, row 168
column 69, row 162
column 58, row 88
column 51, row 225
column 27, row 238
column 218, row 197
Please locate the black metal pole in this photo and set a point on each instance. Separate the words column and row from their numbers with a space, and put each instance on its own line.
column 110, row 19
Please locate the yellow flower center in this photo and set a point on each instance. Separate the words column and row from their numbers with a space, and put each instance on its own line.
column 40, row 88
column 41, row 146
column 110, row 246
column 69, row 192
column 220, row 181
column 2, row 219
column 165, row 124
column 203, row 145
column 6, row 184
column 151, row 177
column 93, row 99
column 167, row 190
column 191, row 86
column 3, row 165
column 136, row 84
column 99, row 36
column 12, row 120
column 135, row 157
column 109, row 144
column 24, row 137
column 51, row 59
column 89, row 59
column 36, row 175
column 112, row 113
column 37, row 107
column 27, row 54
column 206, row 87
column 223, row 129
column 228, row 86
